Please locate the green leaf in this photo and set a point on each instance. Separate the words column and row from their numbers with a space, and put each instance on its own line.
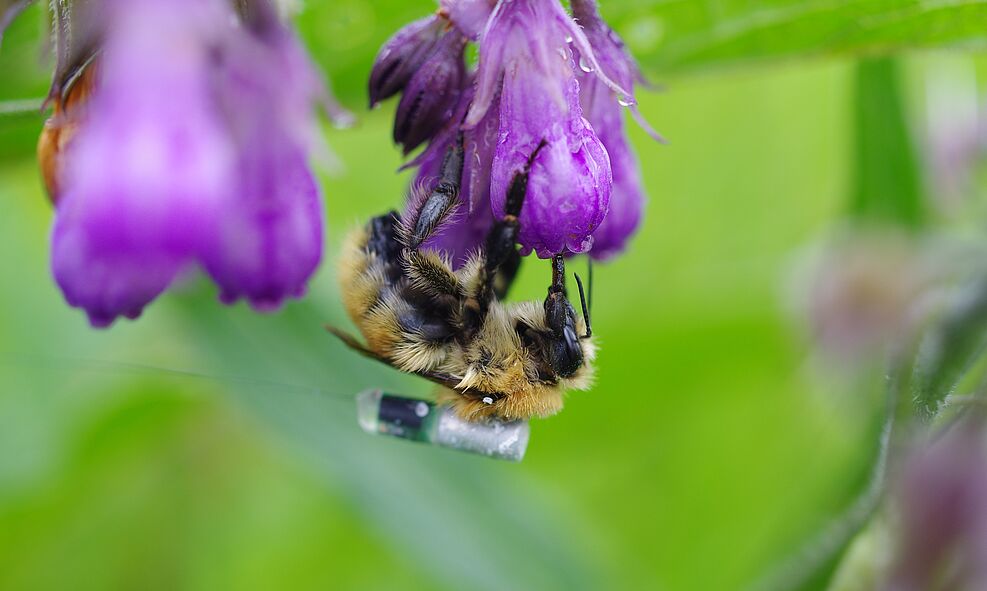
column 677, row 35
column 887, row 186
column 9, row 10
column 681, row 36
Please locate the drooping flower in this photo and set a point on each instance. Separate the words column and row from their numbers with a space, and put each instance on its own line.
column 538, row 70
column 602, row 108
column 192, row 149
column 268, row 240
column 525, row 51
column 144, row 179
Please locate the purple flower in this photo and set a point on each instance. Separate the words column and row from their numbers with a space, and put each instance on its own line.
column 268, row 241
column 627, row 195
column 192, row 149
column 145, row 177
column 602, row 108
column 432, row 94
column 539, row 73
column 525, row 55
column 469, row 16
column 943, row 514
column 402, row 56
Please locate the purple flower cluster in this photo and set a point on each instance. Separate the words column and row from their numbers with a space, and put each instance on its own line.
column 191, row 149
column 544, row 76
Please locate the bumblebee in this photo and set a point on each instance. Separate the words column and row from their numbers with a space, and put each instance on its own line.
column 492, row 359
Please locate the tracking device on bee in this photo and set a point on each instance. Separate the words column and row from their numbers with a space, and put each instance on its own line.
column 496, row 362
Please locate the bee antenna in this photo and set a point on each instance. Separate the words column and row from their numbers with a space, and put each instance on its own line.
column 582, row 302
column 589, row 292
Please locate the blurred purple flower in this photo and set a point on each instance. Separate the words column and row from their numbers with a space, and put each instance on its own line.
column 864, row 291
column 145, row 177
column 942, row 501
column 268, row 241
column 192, row 149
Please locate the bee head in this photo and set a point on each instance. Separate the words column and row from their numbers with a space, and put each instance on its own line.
column 563, row 351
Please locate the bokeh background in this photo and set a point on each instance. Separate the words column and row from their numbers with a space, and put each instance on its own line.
column 206, row 447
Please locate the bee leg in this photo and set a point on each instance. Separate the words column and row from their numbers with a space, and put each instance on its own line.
column 383, row 246
column 504, row 278
column 564, row 352
column 426, row 270
column 431, row 274
column 500, row 254
column 429, row 211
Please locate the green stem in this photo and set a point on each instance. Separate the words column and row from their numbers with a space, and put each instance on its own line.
column 887, row 184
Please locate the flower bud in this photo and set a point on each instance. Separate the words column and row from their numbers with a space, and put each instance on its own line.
column 432, row 94
column 402, row 56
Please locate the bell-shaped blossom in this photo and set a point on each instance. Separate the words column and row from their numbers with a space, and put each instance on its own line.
column 431, row 96
column 192, row 149
column 547, row 100
column 147, row 173
column 401, row 56
column 603, row 108
column 525, row 53
column 268, row 241
column 627, row 196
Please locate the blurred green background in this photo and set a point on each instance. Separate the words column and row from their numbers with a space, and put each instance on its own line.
column 710, row 449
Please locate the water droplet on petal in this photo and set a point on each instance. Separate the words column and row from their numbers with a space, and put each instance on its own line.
column 584, row 65
column 626, row 101
column 568, row 38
